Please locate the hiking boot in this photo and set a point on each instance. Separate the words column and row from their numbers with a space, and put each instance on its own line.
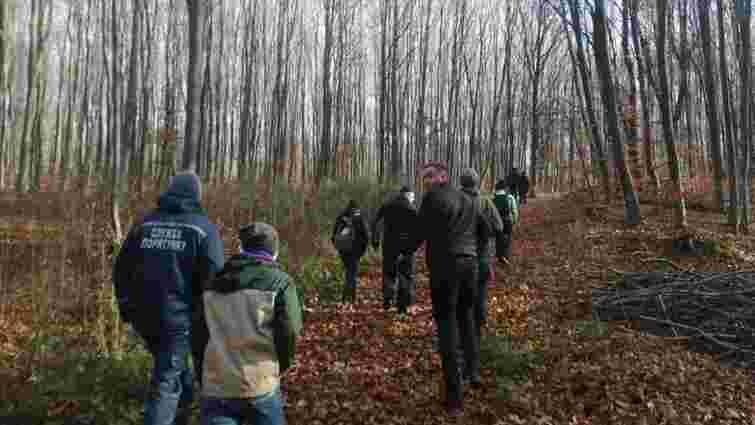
column 455, row 409
column 474, row 381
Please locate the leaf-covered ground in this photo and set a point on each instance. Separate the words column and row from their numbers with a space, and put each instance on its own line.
column 360, row 365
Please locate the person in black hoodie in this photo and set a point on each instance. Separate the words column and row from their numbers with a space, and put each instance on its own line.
column 512, row 181
column 350, row 238
column 159, row 274
column 399, row 218
column 453, row 228
column 523, row 187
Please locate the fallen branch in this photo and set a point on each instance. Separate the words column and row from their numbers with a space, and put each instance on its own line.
column 717, row 310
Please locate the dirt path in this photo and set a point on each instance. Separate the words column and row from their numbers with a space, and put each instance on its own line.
column 363, row 363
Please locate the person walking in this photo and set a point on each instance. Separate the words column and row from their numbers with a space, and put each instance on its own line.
column 523, row 187
column 470, row 185
column 350, row 238
column 452, row 227
column 254, row 317
column 399, row 217
column 159, row 273
column 506, row 204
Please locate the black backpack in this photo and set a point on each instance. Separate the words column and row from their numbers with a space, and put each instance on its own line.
column 345, row 238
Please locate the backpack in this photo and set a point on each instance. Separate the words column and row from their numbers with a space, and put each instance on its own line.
column 345, row 238
column 507, row 207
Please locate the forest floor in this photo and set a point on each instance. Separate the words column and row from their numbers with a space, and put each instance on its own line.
column 545, row 360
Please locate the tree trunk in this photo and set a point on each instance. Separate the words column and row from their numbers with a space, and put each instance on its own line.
column 664, row 97
column 608, row 94
column 192, row 135
column 711, row 100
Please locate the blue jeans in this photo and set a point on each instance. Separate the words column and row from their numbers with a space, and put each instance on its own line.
column 263, row 410
column 172, row 379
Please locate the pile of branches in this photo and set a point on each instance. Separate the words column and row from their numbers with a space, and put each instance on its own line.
column 715, row 312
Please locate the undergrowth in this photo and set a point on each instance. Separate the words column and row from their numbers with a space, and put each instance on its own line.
column 511, row 367
column 78, row 362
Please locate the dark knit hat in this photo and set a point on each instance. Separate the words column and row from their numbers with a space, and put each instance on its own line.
column 470, row 178
column 405, row 189
column 501, row 185
column 259, row 236
column 185, row 184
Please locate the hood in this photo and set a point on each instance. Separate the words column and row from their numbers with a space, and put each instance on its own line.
column 470, row 178
column 183, row 195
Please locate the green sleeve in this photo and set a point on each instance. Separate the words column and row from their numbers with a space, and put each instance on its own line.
column 288, row 325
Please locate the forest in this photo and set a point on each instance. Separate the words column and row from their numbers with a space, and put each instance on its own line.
column 633, row 120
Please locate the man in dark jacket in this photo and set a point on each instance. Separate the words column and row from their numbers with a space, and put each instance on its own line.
column 512, row 180
column 399, row 218
column 254, row 317
column 452, row 227
column 523, row 187
column 350, row 226
column 470, row 183
column 159, row 274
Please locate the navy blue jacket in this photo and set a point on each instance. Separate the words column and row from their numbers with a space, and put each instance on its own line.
column 164, row 263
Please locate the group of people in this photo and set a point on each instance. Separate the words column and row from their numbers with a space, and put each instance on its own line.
column 237, row 320
column 463, row 232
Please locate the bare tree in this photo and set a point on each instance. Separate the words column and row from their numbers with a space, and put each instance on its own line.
column 664, row 97
column 192, row 136
column 608, row 94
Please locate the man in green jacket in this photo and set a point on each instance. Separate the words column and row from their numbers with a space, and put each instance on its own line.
column 506, row 203
column 253, row 316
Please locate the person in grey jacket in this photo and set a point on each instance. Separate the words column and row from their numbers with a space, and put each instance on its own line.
column 470, row 183
column 254, row 317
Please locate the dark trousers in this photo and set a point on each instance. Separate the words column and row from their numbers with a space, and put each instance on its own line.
column 398, row 278
column 481, row 306
column 503, row 242
column 351, row 268
column 453, row 286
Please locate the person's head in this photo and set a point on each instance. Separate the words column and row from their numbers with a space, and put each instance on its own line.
column 501, row 185
column 469, row 179
column 407, row 193
column 259, row 236
column 185, row 184
column 352, row 205
column 434, row 174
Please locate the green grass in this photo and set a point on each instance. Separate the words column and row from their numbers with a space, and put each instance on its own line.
column 98, row 388
column 591, row 328
column 511, row 367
